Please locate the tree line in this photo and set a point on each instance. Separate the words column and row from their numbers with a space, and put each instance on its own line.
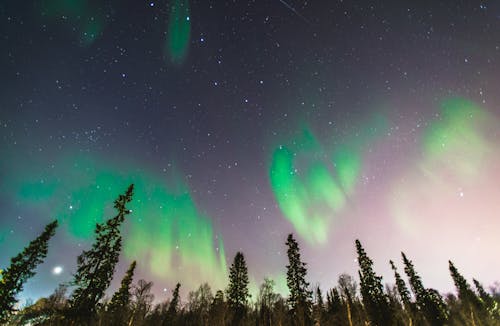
column 369, row 302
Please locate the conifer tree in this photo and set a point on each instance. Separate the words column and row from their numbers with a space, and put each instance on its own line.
column 118, row 307
column 300, row 299
column 22, row 267
column 95, row 267
column 173, row 307
column 333, row 301
column 429, row 302
column 218, row 309
column 372, row 291
column 319, row 308
column 485, row 296
column 403, row 291
column 237, row 292
column 465, row 293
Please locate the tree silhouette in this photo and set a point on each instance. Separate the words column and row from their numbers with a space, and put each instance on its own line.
column 300, row 299
column 119, row 305
column 403, row 291
column 372, row 291
column 142, row 299
column 95, row 267
column 237, row 292
column 266, row 300
column 465, row 293
column 429, row 301
column 21, row 268
column 173, row 307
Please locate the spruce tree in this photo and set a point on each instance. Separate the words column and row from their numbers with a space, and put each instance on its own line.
column 300, row 299
column 429, row 301
column 119, row 305
column 403, row 291
column 22, row 267
column 485, row 296
column 333, row 301
column 173, row 307
column 95, row 267
column 237, row 292
column 465, row 293
column 372, row 291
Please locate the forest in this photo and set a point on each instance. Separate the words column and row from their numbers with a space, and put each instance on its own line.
column 405, row 302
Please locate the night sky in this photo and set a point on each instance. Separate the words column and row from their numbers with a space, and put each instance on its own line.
column 242, row 121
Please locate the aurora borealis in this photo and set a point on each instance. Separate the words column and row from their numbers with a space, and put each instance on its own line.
column 240, row 122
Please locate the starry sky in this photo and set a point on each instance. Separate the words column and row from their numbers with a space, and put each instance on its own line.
column 242, row 121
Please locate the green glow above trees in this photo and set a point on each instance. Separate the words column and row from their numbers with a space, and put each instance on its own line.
column 312, row 184
column 166, row 232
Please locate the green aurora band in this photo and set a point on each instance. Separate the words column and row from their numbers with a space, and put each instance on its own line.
column 82, row 17
column 312, row 185
column 455, row 153
column 457, row 137
column 179, row 31
column 166, row 232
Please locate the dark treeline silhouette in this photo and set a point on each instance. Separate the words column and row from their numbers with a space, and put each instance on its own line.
column 349, row 303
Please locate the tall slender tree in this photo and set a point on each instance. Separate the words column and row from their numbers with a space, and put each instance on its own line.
column 95, row 267
column 300, row 299
column 173, row 307
column 429, row 301
column 372, row 291
column 403, row 291
column 22, row 267
column 119, row 306
column 464, row 290
column 237, row 292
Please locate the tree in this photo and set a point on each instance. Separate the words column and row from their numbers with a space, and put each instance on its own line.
column 199, row 304
column 372, row 291
column 22, row 267
column 237, row 292
column 485, row 296
column 218, row 309
column 142, row 299
column 465, row 293
column 173, row 306
column 95, row 267
column 266, row 300
column 319, row 307
column 118, row 308
column 429, row 302
column 300, row 299
column 403, row 291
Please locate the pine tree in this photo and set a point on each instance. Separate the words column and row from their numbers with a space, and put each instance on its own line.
column 173, row 307
column 372, row 291
column 22, row 267
column 118, row 307
column 300, row 299
column 429, row 302
column 237, row 292
column 95, row 267
column 403, row 291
